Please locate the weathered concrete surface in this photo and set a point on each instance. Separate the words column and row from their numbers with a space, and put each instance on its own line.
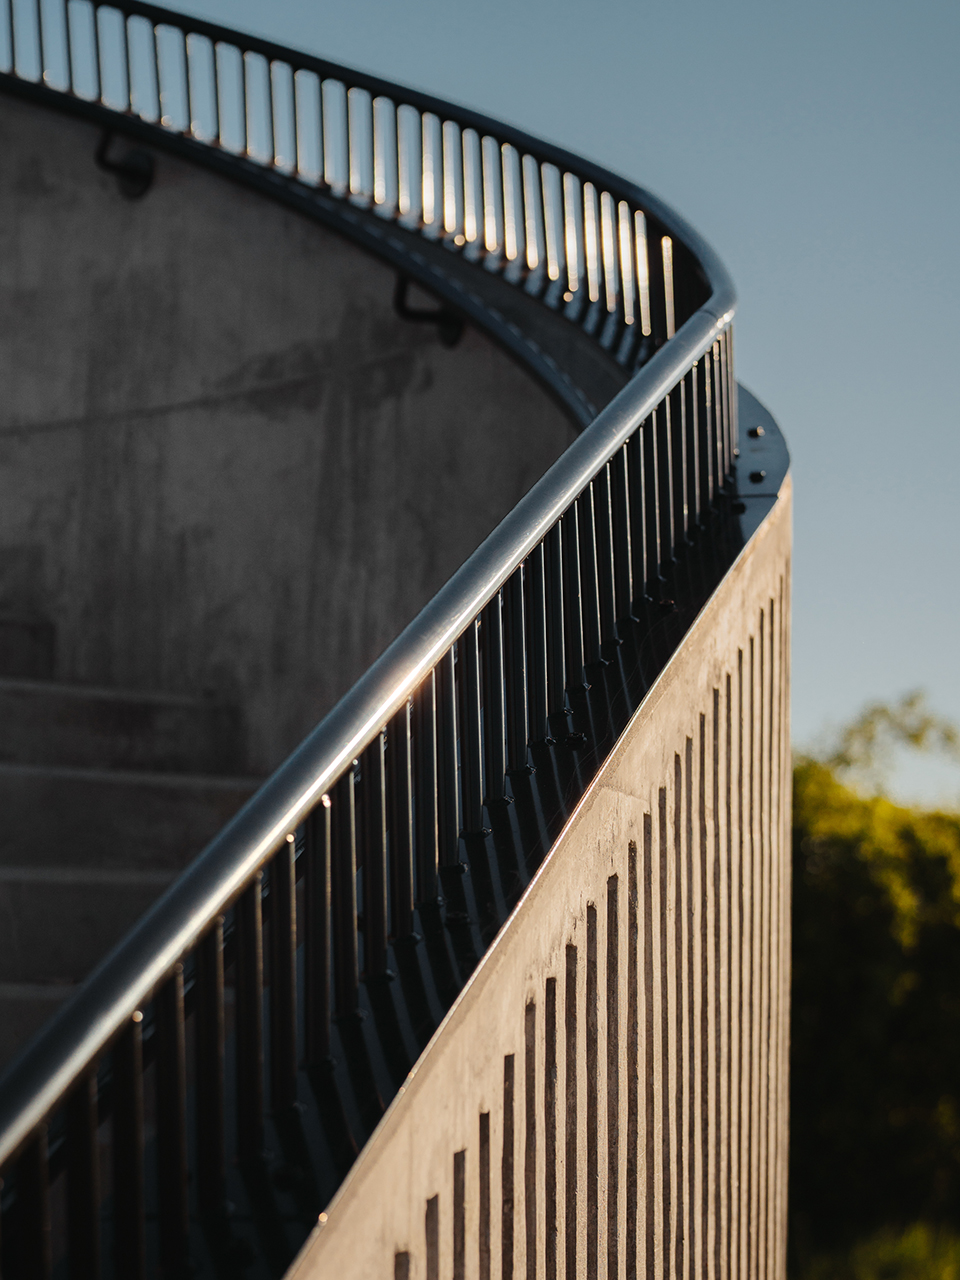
column 225, row 464
column 608, row 1095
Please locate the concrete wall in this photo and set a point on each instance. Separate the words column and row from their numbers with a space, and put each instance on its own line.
column 608, row 1096
column 225, row 464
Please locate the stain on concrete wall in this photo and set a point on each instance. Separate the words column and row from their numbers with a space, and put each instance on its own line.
column 225, row 464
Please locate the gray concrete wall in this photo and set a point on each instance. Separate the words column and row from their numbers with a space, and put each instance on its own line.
column 225, row 464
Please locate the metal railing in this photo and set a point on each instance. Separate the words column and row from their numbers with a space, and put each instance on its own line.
column 400, row 169
column 191, row 1039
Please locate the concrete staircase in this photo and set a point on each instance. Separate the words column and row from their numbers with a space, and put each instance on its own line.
column 105, row 796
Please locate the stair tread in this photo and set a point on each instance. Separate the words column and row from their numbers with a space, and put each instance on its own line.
column 24, row 1008
column 45, row 722
column 28, row 687
column 130, row 777
column 56, row 874
column 56, row 931
column 52, row 991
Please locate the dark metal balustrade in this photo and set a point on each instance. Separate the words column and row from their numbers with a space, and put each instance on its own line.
column 199, row 1099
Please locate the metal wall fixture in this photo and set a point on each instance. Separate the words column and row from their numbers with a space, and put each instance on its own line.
column 393, row 843
column 449, row 325
column 133, row 171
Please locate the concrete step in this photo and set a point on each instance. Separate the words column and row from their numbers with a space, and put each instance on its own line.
column 108, row 820
column 24, row 1008
column 45, row 722
column 57, row 923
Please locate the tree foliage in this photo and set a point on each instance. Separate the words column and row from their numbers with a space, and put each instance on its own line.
column 875, row 1123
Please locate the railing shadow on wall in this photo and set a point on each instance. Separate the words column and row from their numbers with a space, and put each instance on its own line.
column 241, row 1044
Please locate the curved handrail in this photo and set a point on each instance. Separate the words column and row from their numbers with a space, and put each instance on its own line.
column 587, row 546
column 459, row 200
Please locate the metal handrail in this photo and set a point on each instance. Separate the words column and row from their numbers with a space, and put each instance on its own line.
column 499, row 653
column 602, row 253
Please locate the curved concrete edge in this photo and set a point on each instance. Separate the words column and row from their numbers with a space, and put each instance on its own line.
column 730, row 676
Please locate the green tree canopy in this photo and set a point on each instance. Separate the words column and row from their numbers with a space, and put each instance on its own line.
column 875, row 1124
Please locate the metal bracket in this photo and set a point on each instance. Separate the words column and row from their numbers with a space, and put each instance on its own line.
column 134, row 173
column 449, row 325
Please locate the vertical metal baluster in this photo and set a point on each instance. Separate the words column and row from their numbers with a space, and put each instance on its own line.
column 374, row 835
column 318, row 933
column 425, row 729
column 725, row 460
column 494, row 755
column 126, row 60
column 636, row 492
column 173, row 1211
column 12, row 35
column 572, row 602
column 694, row 460
column 536, row 635
column 68, row 43
column 589, row 587
column 708, row 474
column 283, row 977
column 294, row 121
column 249, row 1038
column 669, row 292
column 40, row 50
column 720, row 410
column 658, row 307
column 271, row 114
column 680, row 463
column 708, row 417
column 96, row 52
column 606, row 573
column 731, row 386
column 515, row 664
column 402, row 182
column 210, row 1037
column 83, row 1177
column 575, row 243
column 243, row 103
column 402, row 879
column 448, row 814
column 188, row 96
column 720, row 401
column 651, row 502
column 471, row 747
column 553, row 581
column 33, row 1183
column 347, row 159
column 156, row 74
column 322, row 180
column 344, row 883
column 439, row 179
column 129, row 1211
column 215, row 60
column 663, row 418
column 622, row 531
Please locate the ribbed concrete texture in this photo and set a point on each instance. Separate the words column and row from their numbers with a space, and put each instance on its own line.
column 608, row 1097
column 228, row 467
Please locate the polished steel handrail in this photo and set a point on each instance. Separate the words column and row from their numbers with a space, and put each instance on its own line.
column 444, row 719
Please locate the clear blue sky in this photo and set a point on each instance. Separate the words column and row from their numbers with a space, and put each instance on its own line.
column 817, row 146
